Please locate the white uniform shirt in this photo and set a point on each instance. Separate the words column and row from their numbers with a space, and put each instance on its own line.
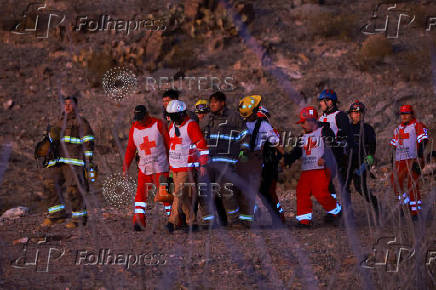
column 266, row 132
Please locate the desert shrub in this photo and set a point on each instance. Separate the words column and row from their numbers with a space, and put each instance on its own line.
column 373, row 51
column 329, row 24
column 414, row 64
column 97, row 65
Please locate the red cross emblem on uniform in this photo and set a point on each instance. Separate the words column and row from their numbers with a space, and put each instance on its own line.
column 310, row 144
column 147, row 145
column 174, row 141
column 402, row 136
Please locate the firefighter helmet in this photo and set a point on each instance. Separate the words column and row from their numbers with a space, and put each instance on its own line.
column 202, row 106
column 249, row 105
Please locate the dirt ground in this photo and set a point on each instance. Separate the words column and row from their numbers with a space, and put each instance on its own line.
column 286, row 51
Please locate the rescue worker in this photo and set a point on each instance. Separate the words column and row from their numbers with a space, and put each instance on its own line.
column 76, row 150
column 313, row 148
column 270, row 171
column 167, row 97
column 201, row 109
column 338, row 122
column 362, row 158
column 224, row 132
column 249, row 168
column 149, row 137
column 185, row 138
column 409, row 141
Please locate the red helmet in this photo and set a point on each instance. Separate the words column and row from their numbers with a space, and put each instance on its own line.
column 406, row 109
column 308, row 113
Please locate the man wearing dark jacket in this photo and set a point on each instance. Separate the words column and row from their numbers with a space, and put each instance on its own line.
column 338, row 122
column 224, row 132
column 363, row 151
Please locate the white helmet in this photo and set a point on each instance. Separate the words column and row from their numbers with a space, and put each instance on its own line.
column 176, row 106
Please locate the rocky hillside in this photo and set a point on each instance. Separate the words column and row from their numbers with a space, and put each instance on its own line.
column 286, row 51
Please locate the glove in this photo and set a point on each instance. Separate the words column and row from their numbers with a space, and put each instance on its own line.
column 369, row 160
column 242, row 157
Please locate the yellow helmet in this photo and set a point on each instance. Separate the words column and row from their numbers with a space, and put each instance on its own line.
column 202, row 106
column 249, row 105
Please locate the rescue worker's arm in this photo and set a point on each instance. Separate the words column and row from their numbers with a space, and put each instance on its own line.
column 330, row 141
column 267, row 133
column 87, row 139
column 344, row 130
column 164, row 132
column 197, row 138
column 292, row 156
column 130, row 151
column 239, row 126
column 422, row 140
column 370, row 140
column 394, row 141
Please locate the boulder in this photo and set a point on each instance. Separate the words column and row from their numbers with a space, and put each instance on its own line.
column 15, row 212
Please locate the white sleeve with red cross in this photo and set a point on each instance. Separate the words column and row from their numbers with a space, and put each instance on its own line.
column 151, row 149
column 313, row 150
column 421, row 132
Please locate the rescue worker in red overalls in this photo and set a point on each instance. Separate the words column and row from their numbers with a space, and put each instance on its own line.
column 409, row 141
column 186, row 140
column 149, row 136
column 313, row 147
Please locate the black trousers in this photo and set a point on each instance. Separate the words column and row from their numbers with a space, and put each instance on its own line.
column 360, row 185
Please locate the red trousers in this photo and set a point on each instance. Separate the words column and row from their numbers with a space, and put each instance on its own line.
column 314, row 182
column 145, row 184
column 411, row 196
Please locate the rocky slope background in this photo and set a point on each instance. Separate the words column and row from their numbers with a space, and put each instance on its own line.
column 286, row 51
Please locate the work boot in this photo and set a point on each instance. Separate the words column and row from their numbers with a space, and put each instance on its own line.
column 306, row 224
column 170, row 227
column 72, row 225
column 138, row 227
column 330, row 218
column 241, row 225
column 282, row 218
column 193, row 228
column 51, row 221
